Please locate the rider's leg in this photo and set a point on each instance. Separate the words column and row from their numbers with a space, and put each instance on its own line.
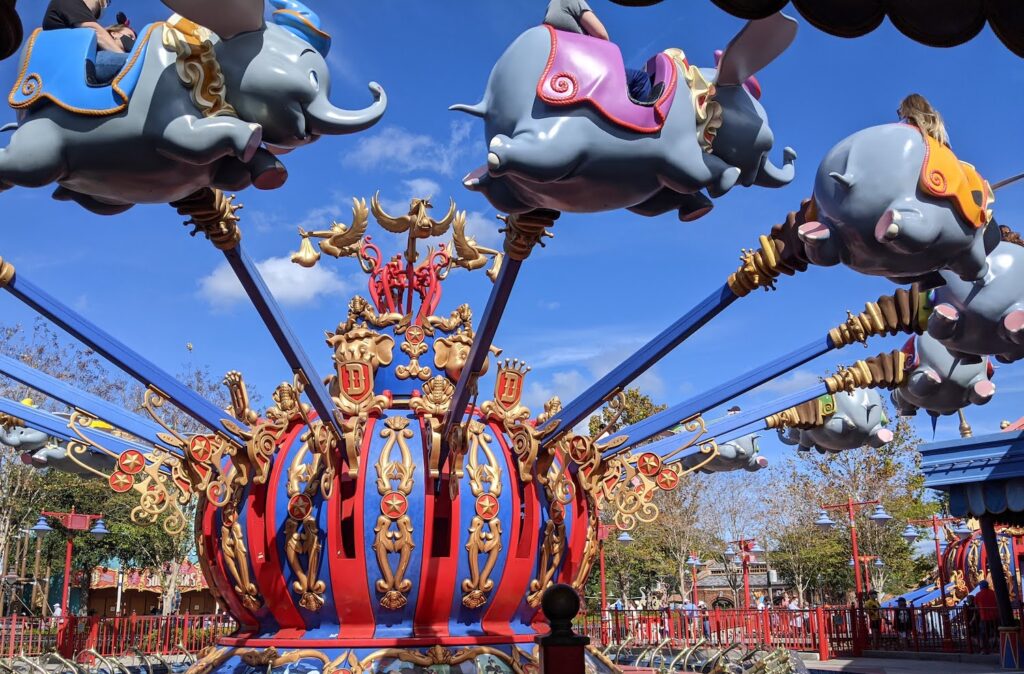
column 639, row 82
column 108, row 65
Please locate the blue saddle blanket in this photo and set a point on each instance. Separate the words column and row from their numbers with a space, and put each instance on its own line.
column 53, row 69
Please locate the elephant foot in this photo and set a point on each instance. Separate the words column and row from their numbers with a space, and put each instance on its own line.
column 726, row 181
column 253, row 144
column 904, row 229
column 943, row 321
column 1013, row 326
column 474, row 179
column 882, row 436
column 982, row 392
column 268, row 173
column 924, row 382
column 814, row 232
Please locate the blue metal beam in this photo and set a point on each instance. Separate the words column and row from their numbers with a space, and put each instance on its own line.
column 58, row 427
column 291, row 349
column 649, row 354
column 740, row 424
column 662, row 421
column 128, row 360
column 87, row 402
column 483, row 337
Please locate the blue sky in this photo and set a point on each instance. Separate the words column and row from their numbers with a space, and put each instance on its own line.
column 605, row 284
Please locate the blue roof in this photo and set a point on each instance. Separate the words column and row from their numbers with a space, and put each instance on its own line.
column 983, row 475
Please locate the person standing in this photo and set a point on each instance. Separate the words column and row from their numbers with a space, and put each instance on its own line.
column 988, row 615
column 874, row 611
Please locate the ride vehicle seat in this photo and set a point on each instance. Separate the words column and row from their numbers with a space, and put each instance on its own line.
column 54, row 67
column 583, row 69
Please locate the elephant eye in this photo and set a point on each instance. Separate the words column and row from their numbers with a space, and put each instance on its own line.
column 314, row 80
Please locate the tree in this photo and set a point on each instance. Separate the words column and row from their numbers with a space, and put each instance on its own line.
column 25, row 491
column 638, row 406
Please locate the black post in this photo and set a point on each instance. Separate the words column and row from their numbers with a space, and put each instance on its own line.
column 562, row 651
column 995, row 569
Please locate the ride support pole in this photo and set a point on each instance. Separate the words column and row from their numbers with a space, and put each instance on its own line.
column 822, row 630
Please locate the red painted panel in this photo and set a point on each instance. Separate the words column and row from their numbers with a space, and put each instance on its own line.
column 219, row 575
column 577, row 512
column 261, row 530
column 440, row 564
column 345, row 556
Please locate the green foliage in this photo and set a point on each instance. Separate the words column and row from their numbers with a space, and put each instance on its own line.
column 638, row 407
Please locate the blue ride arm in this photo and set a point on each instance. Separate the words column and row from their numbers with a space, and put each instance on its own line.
column 128, row 360
column 296, row 357
column 631, row 368
column 699, row 404
column 87, row 402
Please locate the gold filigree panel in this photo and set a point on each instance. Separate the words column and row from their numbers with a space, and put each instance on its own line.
column 393, row 531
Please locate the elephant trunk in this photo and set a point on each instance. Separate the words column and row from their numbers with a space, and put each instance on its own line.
column 771, row 175
column 327, row 120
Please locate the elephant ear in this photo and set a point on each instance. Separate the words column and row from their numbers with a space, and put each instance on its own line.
column 442, row 349
column 758, row 44
column 226, row 18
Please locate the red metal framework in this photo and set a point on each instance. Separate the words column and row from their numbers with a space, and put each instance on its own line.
column 851, row 508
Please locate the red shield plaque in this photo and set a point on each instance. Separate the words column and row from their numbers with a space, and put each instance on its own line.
column 508, row 389
column 356, row 380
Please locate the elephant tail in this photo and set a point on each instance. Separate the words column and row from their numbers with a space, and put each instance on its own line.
column 477, row 110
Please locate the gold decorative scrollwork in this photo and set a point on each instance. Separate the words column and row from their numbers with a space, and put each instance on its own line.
column 485, row 528
column 212, row 212
column 236, row 554
column 434, row 656
column 432, row 406
column 302, row 534
column 414, row 347
column 197, row 66
column 393, row 530
column 524, row 231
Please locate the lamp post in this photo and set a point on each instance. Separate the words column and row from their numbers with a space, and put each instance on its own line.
column 910, row 535
column 694, row 563
column 865, row 560
column 71, row 522
column 879, row 516
column 746, row 551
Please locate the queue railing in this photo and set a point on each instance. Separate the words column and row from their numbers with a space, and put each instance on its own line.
column 151, row 635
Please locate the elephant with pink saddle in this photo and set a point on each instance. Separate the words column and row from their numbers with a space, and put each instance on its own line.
column 562, row 132
column 973, row 319
column 894, row 202
column 939, row 382
column 859, row 420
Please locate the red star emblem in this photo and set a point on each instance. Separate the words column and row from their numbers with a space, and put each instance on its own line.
column 414, row 335
column 200, row 448
column 648, row 464
column 394, row 504
column 487, row 506
column 299, row 507
column 578, row 449
column 131, row 462
column 121, row 482
column 667, row 479
column 557, row 513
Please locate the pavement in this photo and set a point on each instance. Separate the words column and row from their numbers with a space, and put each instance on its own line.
column 904, row 666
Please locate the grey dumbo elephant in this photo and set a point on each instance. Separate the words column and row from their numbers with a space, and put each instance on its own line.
column 939, row 382
column 740, row 454
column 205, row 111
column 878, row 212
column 984, row 317
column 859, row 420
column 563, row 134
column 41, row 451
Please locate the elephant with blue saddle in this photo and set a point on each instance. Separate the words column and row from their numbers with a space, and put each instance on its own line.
column 743, row 453
column 562, row 132
column 207, row 101
column 39, row 450
column 857, row 419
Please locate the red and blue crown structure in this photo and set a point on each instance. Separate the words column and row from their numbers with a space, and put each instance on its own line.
column 342, row 552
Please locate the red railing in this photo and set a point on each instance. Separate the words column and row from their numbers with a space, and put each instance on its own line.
column 162, row 635
column 828, row 631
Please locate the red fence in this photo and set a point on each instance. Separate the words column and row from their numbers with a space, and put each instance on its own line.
column 163, row 635
column 828, row 631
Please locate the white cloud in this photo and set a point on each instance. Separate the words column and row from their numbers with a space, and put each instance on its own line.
column 483, row 229
column 791, row 383
column 549, row 306
column 566, row 385
column 423, row 188
column 289, row 283
column 402, row 150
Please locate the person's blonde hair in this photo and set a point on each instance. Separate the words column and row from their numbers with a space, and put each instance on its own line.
column 915, row 109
